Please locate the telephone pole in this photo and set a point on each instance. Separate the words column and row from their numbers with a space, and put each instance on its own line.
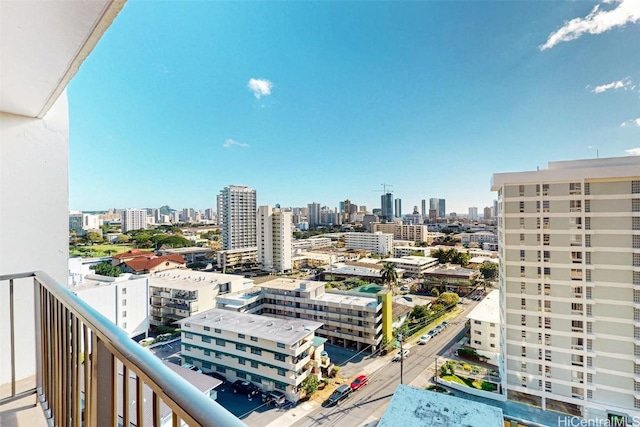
column 401, row 356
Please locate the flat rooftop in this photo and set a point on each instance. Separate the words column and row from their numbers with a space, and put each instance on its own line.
column 412, row 260
column 348, row 299
column 189, row 250
column 292, row 284
column 353, row 270
column 488, row 310
column 91, row 281
column 452, row 271
column 286, row 331
column 189, row 280
column 414, row 407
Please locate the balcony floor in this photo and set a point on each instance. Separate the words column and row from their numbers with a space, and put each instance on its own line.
column 25, row 412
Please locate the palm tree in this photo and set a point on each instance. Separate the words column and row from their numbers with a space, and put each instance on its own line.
column 389, row 274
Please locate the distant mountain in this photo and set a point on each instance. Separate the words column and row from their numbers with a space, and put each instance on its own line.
column 166, row 210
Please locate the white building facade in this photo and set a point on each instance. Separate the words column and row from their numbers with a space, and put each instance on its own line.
column 275, row 233
column 570, row 285
column 134, row 219
column 379, row 243
column 484, row 326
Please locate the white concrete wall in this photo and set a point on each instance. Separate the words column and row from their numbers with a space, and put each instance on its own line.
column 34, row 219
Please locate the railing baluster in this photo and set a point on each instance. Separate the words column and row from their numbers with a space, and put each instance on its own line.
column 48, row 355
column 156, row 410
column 125, row 395
column 93, row 402
column 139, row 402
column 175, row 420
column 55, row 395
column 13, row 344
column 76, row 372
column 87, row 374
column 66, row 379
column 37, row 319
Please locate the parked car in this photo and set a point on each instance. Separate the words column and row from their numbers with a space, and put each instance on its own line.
column 445, row 323
column 438, row 329
column 404, row 355
column 192, row 368
column 245, row 387
column 361, row 381
column 432, row 333
column 338, row 395
column 424, row 339
column 218, row 376
column 274, row 398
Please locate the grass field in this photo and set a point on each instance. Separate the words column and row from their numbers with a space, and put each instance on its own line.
column 98, row 250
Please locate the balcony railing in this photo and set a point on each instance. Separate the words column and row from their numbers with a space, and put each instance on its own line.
column 80, row 357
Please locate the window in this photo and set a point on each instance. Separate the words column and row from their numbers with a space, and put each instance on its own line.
column 242, row 361
column 521, row 238
column 589, row 310
column 521, row 254
column 547, row 323
column 635, row 205
column 636, row 260
column 124, row 325
column 522, row 271
column 546, row 223
column 521, row 190
column 523, row 320
column 221, row 369
column 589, row 291
column 521, row 207
column 545, row 239
column 218, row 355
column 575, row 240
column 636, row 241
column 280, row 357
column 523, row 304
column 206, row 328
column 220, row 342
column 206, row 339
column 574, row 188
column 207, row 352
column 636, row 277
column 187, row 347
column 545, row 189
column 255, row 339
column 587, row 240
column 575, row 206
column 521, row 222
column 241, row 336
column 546, row 206
column 587, row 188
column 280, row 345
column 576, row 274
column 588, row 275
column 587, row 223
column 242, row 375
column 254, row 364
column 538, row 222
column 256, row 351
column 547, row 371
column 587, row 258
column 523, row 334
column 188, row 335
column 282, row 372
column 547, row 306
column 124, row 291
column 523, row 288
column 576, row 308
column 547, row 355
column 217, row 331
column 538, row 208
column 587, row 205
column 124, row 314
column 537, row 189
column 124, row 302
column 523, row 351
column 577, row 326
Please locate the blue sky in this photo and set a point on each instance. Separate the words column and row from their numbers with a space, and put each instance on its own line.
column 323, row 101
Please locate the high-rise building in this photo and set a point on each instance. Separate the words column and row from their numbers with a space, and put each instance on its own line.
column 424, row 210
column 398, row 208
column 473, row 213
column 275, row 229
column 487, row 213
column 134, row 219
column 238, row 217
column 386, row 205
column 569, row 241
column 218, row 210
column 433, row 204
column 442, row 208
column 314, row 213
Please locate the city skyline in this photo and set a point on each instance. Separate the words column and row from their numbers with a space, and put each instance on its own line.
column 431, row 97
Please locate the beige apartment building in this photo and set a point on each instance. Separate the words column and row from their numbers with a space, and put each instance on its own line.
column 410, row 232
column 276, row 354
column 178, row 294
column 570, row 286
column 349, row 319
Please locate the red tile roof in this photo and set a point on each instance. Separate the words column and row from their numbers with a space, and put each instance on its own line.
column 147, row 264
column 133, row 253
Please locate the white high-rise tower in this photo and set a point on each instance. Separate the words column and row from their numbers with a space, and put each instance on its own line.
column 275, row 230
column 238, row 215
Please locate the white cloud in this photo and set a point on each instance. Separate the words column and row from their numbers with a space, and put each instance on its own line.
column 633, row 151
column 260, row 87
column 229, row 143
column 634, row 122
column 620, row 84
column 596, row 22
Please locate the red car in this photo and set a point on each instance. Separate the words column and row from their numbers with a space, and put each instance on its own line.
column 361, row 381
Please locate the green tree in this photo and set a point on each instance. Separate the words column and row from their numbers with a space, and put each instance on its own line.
column 435, row 292
column 449, row 298
column 106, row 269
column 94, row 237
column 123, row 238
column 389, row 274
column 170, row 241
column 489, row 270
column 419, row 312
column 460, row 258
column 310, row 384
column 416, row 253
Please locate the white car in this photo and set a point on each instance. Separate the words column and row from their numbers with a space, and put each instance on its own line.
column 192, row 368
column 424, row 339
column 405, row 354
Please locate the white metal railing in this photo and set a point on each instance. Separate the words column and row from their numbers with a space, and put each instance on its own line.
column 80, row 358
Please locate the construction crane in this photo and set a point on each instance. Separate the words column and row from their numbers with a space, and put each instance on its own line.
column 384, row 188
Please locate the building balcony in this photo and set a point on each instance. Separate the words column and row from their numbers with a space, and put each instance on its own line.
column 79, row 358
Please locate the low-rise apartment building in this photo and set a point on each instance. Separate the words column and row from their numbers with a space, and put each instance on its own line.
column 402, row 251
column 479, row 237
column 124, row 300
column 454, row 278
column 276, row 354
column 378, row 243
column 350, row 319
column 178, row 294
column 412, row 232
column 414, row 266
column 484, row 322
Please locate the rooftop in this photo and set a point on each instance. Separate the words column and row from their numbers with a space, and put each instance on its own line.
column 412, row 260
column 348, row 299
column 193, row 280
column 413, row 407
column 488, row 310
column 286, row 331
column 91, row 281
column 453, row 271
column 292, row 284
column 189, row 250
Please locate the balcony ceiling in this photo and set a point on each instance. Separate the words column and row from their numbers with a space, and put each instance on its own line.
column 42, row 45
